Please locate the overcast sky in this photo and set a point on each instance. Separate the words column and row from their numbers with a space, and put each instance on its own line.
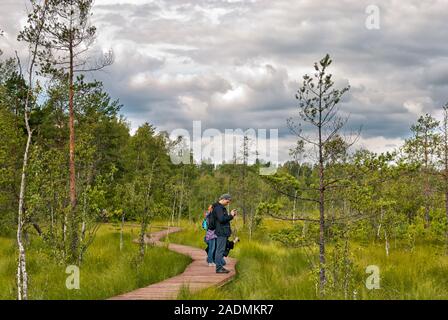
column 237, row 64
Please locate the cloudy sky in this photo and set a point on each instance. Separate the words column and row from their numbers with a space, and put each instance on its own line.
column 237, row 64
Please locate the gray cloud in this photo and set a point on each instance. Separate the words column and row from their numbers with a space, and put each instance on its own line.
column 237, row 64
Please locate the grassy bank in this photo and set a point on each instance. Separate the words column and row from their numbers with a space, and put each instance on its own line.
column 267, row 270
column 106, row 271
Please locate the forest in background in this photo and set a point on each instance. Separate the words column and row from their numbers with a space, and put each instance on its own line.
column 68, row 164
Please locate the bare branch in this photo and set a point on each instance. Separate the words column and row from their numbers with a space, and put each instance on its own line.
column 291, row 219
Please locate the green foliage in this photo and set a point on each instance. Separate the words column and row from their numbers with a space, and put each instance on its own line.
column 373, row 201
column 341, row 267
column 297, row 236
column 12, row 137
column 268, row 270
column 422, row 146
column 106, row 271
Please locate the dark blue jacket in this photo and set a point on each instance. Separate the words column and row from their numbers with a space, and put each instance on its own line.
column 222, row 220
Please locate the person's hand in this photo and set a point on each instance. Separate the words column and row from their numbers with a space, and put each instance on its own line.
column 233, row 212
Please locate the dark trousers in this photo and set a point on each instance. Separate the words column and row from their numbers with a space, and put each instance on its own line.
column 211, row 250
column 220, row 248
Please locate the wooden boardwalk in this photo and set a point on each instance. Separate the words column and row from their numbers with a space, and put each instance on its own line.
column 197, row 276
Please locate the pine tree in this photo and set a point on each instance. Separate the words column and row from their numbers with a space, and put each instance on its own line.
column 421, row 148
column 67, row 37
column 318, row 105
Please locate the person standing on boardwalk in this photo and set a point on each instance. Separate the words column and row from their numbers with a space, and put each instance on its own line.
column 210, row 238
column 222, row 229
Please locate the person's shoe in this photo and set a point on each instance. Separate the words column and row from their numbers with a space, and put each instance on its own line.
column 222, row 270
column 211, row 264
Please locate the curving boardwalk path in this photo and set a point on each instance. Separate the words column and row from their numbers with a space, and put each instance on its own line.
column 197, row 276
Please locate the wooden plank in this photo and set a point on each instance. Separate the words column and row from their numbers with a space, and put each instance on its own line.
column 197, row 276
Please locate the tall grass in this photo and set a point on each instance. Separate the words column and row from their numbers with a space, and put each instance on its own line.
column 265, row 269
column 268, row 270
column 106, row 270
column 418, row 274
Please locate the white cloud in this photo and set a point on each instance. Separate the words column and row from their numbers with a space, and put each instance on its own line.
column 115, row 2
column 379, row 144
column 235, row 63
column 419, row 105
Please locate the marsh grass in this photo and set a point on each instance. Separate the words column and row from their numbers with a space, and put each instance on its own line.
column 265, row 269
column 268, row 270
column 106, row 270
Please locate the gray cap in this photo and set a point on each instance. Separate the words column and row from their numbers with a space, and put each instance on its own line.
column 225, row 196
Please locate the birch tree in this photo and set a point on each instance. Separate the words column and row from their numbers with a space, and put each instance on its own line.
column 32, row 34
column 146, row 152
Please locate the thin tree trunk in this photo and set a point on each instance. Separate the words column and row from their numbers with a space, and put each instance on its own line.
column 445, row 160
column 426, row 191
column 83, row 226
column 52, row 220
column 83, row 231
column 446, row 212
column 379, row 226
column 387, row 242
column 305, row 223
column 181, row 198
column 121, row 231
column 294, row 208
column 244, row 194
column 180, row 207
column 173, row 211
column 64, row 235
column 378, row 231
column 347, row 273
column 427, row 194
column 189, row 209
column 73, row 215
column 251, row 224
column 145, row 217
column 82, row 246
column 143, row 228
column 322, row 276
column 142, row 239
column 22, row 276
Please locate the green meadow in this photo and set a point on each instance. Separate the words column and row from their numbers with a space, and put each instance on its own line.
column 266, row 269
column 106, row 270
